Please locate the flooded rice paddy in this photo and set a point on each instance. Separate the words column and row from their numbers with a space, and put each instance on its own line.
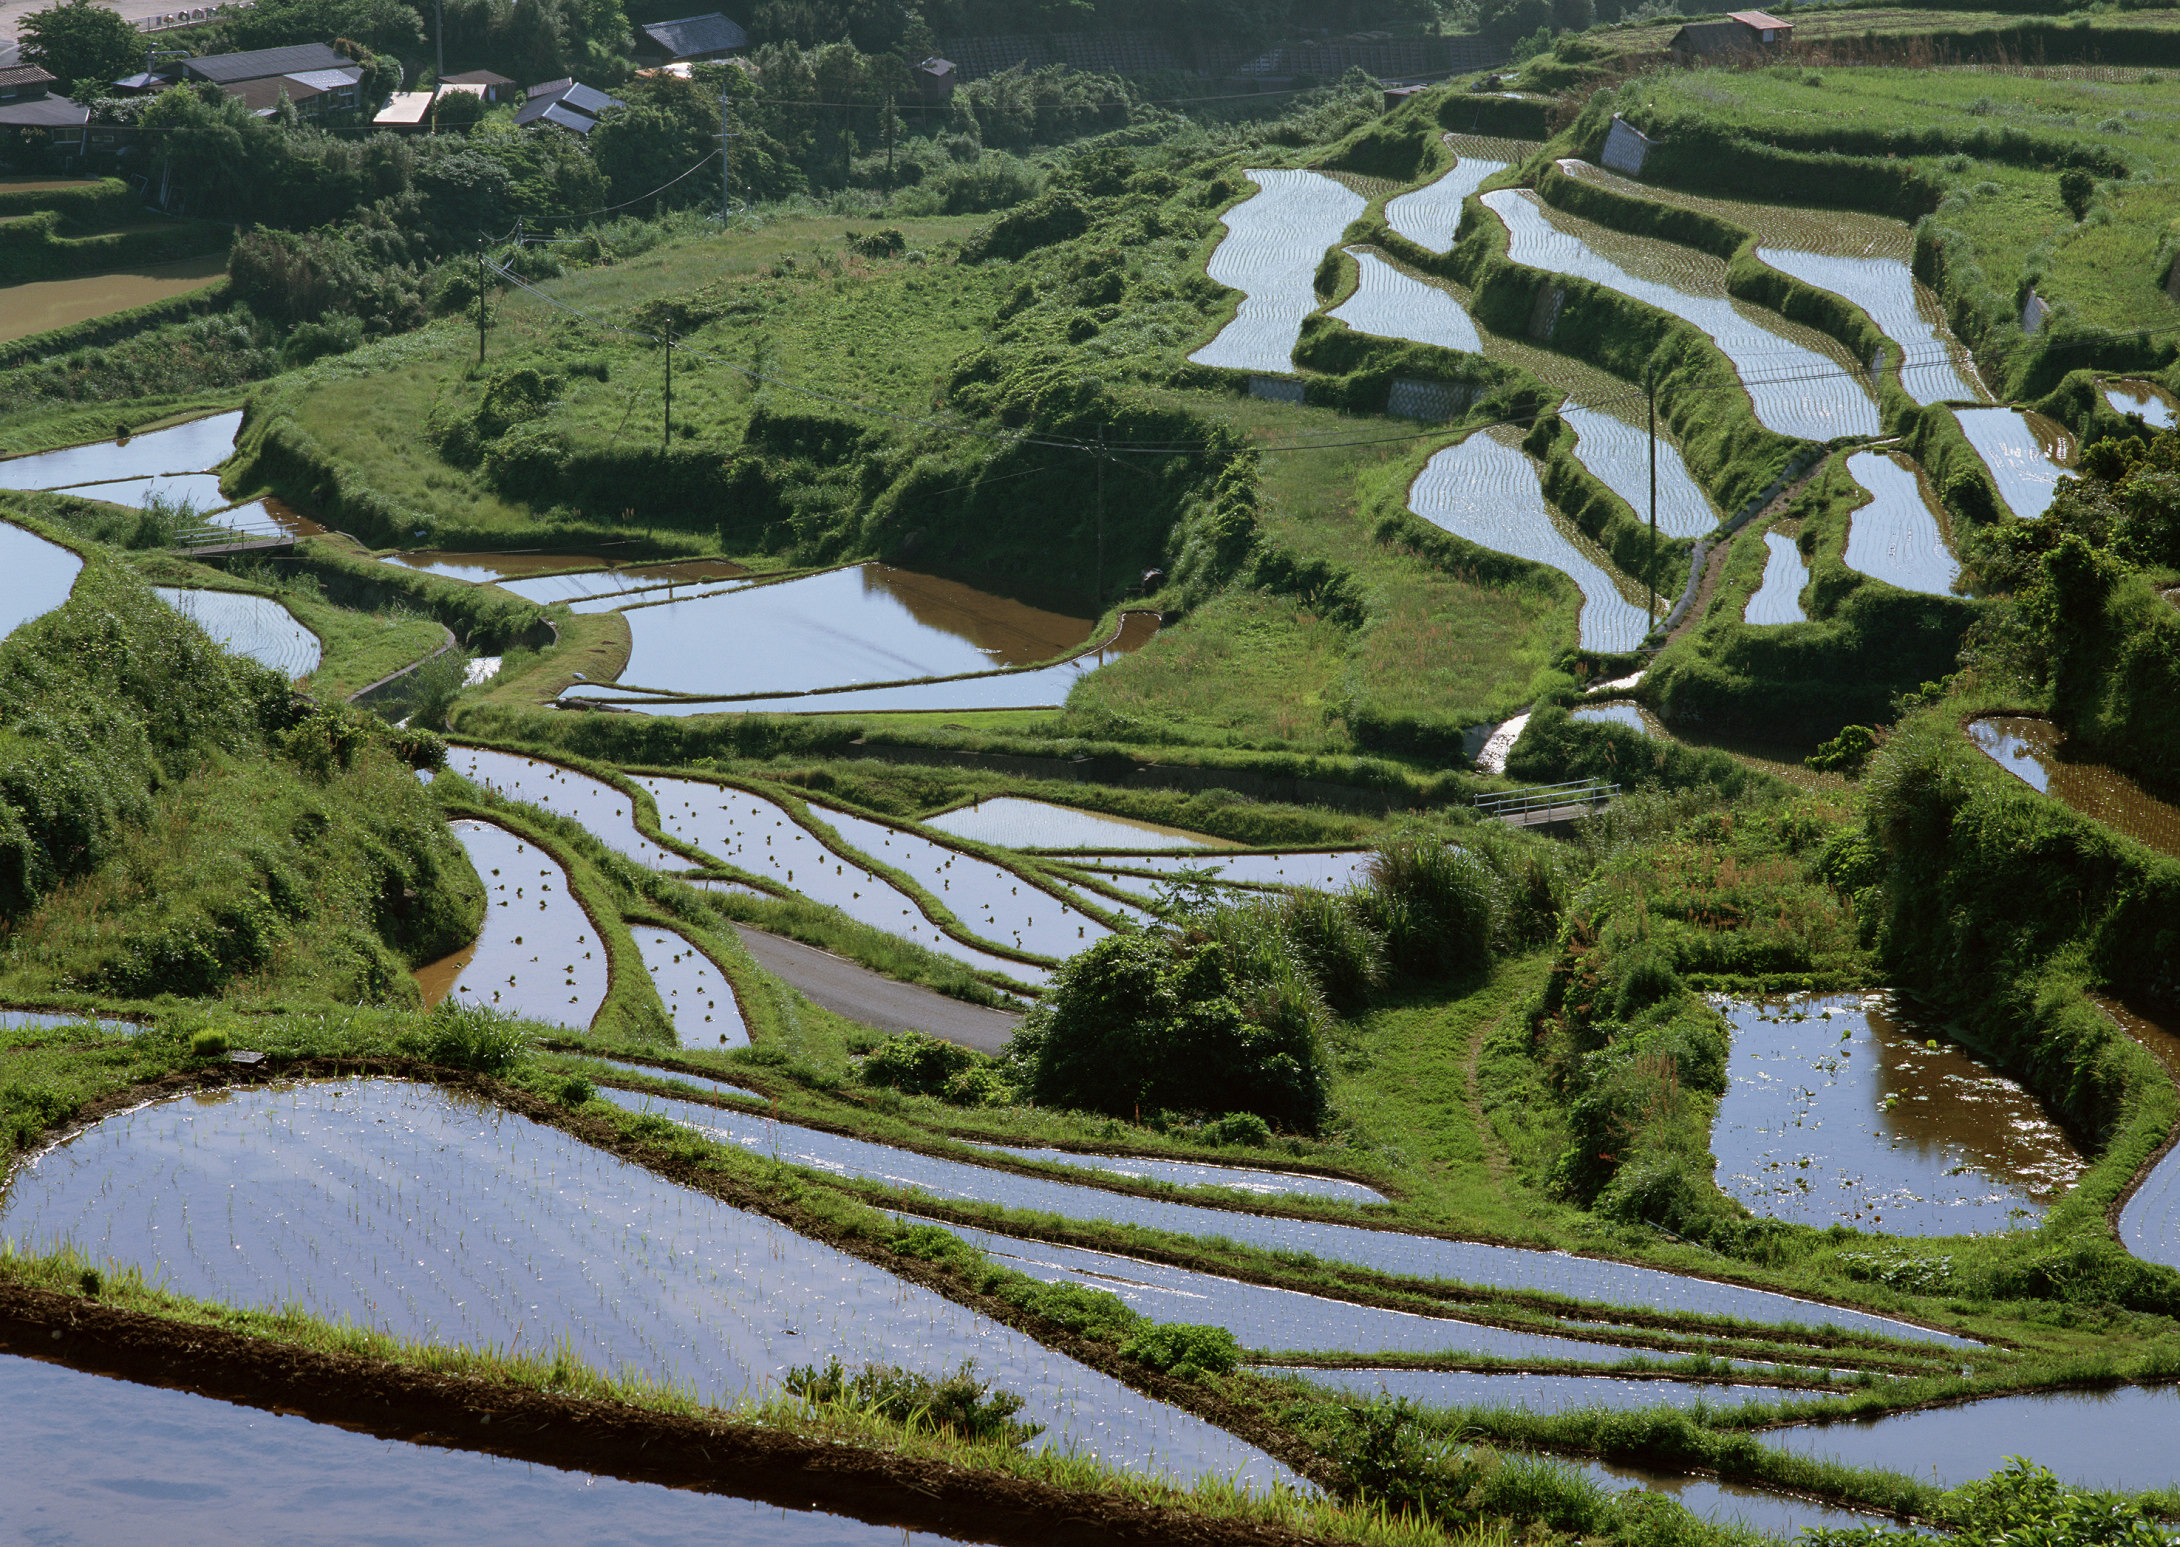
column 93, row 1459
column 2139, row 397
column 1273, row 1320
column 2119, row 1439
column 1775, row 1514
column 1392, row 303
column 1528, row 1393
column 1274, row 240
column 865, row 623
column 1041, row 687
column 197, row 491
column 1197, row 1173
column 400, row 1207
column 181, row 448
column 538, row 955
column 1430, row 217
column 257, row 627
column 2034, row 751
column 697, row 995
column 2025, row 452
column 598, row 590
column 1838, row 1111
column 1931, row 360
column 1799, row 383
column 2149, row 1221
column 40, row 576
column 48, row 1020
column 721, row 1088
column 1618, row 452
column 606, row 812
column 1628, row 716
column 753, row 834
column 1485, row 490
column 1386, row 1251
column 1011, row 822
column 1324, row 870
column 991, row 901
column 1779, row 598
column 38, row 306
column 1896, row 537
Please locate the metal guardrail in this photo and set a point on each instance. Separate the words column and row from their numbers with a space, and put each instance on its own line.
column 167, row 21
column 1574, row 798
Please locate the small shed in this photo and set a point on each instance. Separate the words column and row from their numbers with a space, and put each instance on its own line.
column 489, row 84
column 1742, row 32
column 935, row 79
column 710, row 36
column 566, row 104
column 406, row 112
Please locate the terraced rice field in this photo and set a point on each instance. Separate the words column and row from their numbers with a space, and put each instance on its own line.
column 1837, row 1112
column 2025, row 452
column 539, row 954
column 1197, row 1173
column 1587, row 1278
column 2148, row 403
column 1627, row 716
column 2034, row 752
column 403, row 1208
column 1896, row 537
column 182, row 448
column 1779, row 598
column 87, row 1453
column 1270, row 253
column 606, row 812
column 1326, row 870
column 1617, row 450
column 698, row 998
column 1800, row 383
column 1012, row 822
column 1486, row 491
column 40, row 576
column 255, row 627
column 1431, row 215
column 1392, row 303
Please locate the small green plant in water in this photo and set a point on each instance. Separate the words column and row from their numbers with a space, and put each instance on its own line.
column 477, row 1037
column 209, row 1043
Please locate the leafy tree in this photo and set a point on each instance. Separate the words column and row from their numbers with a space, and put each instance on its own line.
column 1508, row 20
column 384, row 26
column 2076, row 189
column 81, row 40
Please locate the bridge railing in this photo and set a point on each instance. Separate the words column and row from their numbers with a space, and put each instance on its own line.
column 1574, row 797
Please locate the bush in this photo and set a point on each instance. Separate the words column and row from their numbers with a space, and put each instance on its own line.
column 920, row 1065
column 1182, row 1349
column 468, row 1036
column 209, row 1043
column 960, row 1405
column 1237, row 1128
column 1328, row 936
column 1434, row 903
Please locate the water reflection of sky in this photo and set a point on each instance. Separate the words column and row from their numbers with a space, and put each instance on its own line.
column 1837, row 1112
column 2033, row 751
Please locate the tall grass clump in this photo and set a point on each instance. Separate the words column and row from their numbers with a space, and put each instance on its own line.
column 469, row 1036
column 959, row 1404
column 1435, row 904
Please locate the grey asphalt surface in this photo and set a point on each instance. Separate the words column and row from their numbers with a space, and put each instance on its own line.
column 846, row 988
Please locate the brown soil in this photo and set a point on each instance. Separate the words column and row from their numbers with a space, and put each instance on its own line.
column 581, row 1434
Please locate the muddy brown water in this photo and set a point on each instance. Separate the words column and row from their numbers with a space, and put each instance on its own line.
column 1839, row 1110
column 405, row 1208
column 865, row 623
column 2034, row 751
column 92, row 1459
column 538, row 955
column 43, row 304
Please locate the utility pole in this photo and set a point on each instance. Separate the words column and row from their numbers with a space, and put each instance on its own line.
column 480, row 305
column 439, row 40
column 889, row 142
column 1650, row 382
column 727, row 137
column 666, row 433
column 1098, row 607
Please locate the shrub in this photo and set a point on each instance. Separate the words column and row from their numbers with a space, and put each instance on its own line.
column 1237, row 1128
column 209, row 1043
column 574, row 1090
column 919, row 1065
column 1434, row 903
column 1329, row 937
column 1182, row 1349
column 960, row 1404
column 468, row 1036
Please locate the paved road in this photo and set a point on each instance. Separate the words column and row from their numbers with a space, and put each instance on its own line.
column 861, row 995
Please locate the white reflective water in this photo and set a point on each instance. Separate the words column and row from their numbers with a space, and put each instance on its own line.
column 697, row 995
column 1270, row 253
column 1623, row 714
column 400, row 1207
column 2139, row 397
column 183, row 448
column 257, row 627
column 1527, row 1392
column 538, row 954
column 1779, row 598
column 1619, row 454
column 1487, row 492
column 1896, row 537
column 1885, row 288
column 199, row 491
column 1795, row 390
column 606, row 812
column 1430, row 216
column 730, row 1091
column 2026, row 460
column 1392, row 304
column 40, row 576
column 1199, row 1173
column 95, row 1460
column 1016, row 823
column 1387, row 1251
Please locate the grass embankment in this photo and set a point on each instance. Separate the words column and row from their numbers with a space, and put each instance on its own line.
column 176, row 824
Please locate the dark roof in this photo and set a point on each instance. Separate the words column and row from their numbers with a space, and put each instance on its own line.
column 690, row 36
column 475, row 78
column 546, row 110
column 588, row 99
column 258, row 63
column 25, row 75
column 42, row 113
